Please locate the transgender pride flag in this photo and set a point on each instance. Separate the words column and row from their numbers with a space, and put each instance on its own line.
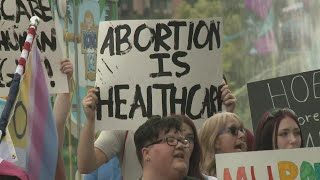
column 29, row 141
column 42, row 153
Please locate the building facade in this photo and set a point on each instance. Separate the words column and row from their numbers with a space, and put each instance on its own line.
column 147, row 9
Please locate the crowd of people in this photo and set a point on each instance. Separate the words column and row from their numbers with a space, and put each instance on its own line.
column 172, row 148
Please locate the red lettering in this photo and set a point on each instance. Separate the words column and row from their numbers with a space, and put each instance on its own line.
column 226, row 174
column 270, row 173
column 241, row 174
column 253, row 176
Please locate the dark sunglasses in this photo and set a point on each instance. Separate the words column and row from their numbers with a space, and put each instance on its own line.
column 278, row 112
column 233, row 130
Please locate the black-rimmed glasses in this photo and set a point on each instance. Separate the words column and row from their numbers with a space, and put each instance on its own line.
column 233, row 130
column 171, row 141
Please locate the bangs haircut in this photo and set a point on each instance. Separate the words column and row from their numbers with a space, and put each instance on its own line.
column 196, row 155
column 150, row 131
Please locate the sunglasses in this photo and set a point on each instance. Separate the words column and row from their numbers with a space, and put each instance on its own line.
column 233, row 130
column 278, row 112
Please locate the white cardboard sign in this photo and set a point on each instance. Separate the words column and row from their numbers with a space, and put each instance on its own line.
column 157, row 67
column 14, row 22
column 302, row 163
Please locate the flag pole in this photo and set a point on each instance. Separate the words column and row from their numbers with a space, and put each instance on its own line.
column 14, row 88
column 66, row 22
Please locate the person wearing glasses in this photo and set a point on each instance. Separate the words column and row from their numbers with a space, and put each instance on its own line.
column 93, row 153
column 189, row 131
column 221, row 133
column 162, row 151
column 278, row 129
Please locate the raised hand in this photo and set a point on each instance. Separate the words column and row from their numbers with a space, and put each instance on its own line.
column 229, row 100
column 89, row 104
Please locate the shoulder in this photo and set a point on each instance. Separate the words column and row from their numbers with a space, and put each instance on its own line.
column 113, row 134
column 107, row 139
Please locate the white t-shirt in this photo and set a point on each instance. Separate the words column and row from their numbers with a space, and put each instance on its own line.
column 112, row 144
column 209, row 177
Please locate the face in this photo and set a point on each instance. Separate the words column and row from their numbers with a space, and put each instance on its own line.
column 188, row 134
column 227, row 142
column 288, row 136
column 169, row 160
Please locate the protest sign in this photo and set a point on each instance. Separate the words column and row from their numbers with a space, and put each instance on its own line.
column 300, row 92
column 282, row 164
column 157, row 67
column 14, row 23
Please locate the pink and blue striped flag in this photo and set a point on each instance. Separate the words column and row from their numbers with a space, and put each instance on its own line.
column 31, row 143
column 7, row 169
column 43, row 147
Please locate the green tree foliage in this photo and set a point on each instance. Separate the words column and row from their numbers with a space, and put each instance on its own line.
column 235, row 48
column 293, row 25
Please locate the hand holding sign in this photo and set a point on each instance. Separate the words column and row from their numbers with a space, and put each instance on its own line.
column 67, row 68
column 229, row 100
column 89, row 104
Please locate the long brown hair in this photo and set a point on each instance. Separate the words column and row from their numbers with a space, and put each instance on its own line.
column 267, row 129
column 196, row 155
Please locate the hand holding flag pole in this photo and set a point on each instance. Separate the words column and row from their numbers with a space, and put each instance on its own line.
column 14, row 88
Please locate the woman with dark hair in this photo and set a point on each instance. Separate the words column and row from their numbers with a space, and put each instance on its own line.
column 162, row 150
column 92, row 154
column 278, row 129
column 189, row 131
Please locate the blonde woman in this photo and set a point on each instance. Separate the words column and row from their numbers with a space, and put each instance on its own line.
column 221, row 133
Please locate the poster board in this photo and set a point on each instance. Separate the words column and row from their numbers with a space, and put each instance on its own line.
column 302, row 163
column 300, row 92
column 157, row 67
column 14, row 23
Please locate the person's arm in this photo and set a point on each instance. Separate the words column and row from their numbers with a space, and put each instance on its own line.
column 61, row 111
column 89, row 157
column 60, row 170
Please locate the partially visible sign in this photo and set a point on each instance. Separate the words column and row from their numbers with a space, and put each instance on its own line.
column 303, row 163
column 300, row 92
column 14, row 23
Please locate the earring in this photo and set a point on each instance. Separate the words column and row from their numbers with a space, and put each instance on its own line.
column 148, row 159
